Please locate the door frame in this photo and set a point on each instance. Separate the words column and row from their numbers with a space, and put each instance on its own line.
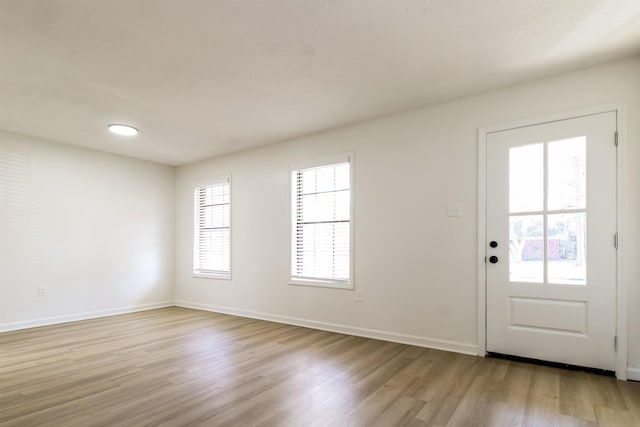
column 621, row 286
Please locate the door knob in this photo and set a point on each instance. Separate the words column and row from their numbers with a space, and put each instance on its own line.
column 493, row 259
column 493, row 244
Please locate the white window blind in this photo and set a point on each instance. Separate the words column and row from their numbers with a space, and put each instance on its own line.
column 321, row 232
column 212, row 229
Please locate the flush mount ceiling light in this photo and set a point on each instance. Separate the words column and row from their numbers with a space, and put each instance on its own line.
column 124, row 130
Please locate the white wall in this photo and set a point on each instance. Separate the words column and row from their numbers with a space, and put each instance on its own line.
column 96, row 229
column 416, row 266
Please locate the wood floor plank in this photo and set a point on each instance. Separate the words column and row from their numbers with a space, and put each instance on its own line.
column 543, row 404
column 179, row 367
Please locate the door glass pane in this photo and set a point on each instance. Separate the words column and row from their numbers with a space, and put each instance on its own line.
column 567, row 248
column 526, row 182
column 526, row 249
column 567, row 177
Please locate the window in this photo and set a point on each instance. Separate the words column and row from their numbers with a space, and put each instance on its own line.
column 321, row 224
column 211, row 255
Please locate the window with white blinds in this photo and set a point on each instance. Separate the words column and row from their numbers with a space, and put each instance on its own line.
column 212, row 229
column 321, row 234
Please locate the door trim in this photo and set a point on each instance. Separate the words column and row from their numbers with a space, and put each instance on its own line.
column 621, row 286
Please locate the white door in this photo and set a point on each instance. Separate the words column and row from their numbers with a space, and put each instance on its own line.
column 550, row 243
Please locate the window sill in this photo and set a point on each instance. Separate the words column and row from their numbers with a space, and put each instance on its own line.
column 322, row 284
column 212, row 276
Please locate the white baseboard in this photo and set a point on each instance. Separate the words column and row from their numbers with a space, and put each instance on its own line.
column 633, row 373
column 5, row 327
column 438, row 344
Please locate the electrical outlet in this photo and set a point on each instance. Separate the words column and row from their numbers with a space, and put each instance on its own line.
column 454, row 209
column 359, row 296
column 43, row 291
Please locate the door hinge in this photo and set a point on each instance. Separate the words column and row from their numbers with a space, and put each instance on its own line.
column 616, row 138
column 615, row 343
column 615, row 240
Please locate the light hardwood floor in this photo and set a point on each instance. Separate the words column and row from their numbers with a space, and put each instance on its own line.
column 180, row 367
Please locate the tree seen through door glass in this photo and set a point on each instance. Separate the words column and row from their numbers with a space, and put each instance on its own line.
column 567, row 174
column 567, row 248
column 526, row 249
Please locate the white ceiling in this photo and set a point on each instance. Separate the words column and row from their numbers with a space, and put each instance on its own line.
column 201, row 78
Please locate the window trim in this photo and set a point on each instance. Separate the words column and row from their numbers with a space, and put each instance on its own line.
column 318, row 282
column 219, row 276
